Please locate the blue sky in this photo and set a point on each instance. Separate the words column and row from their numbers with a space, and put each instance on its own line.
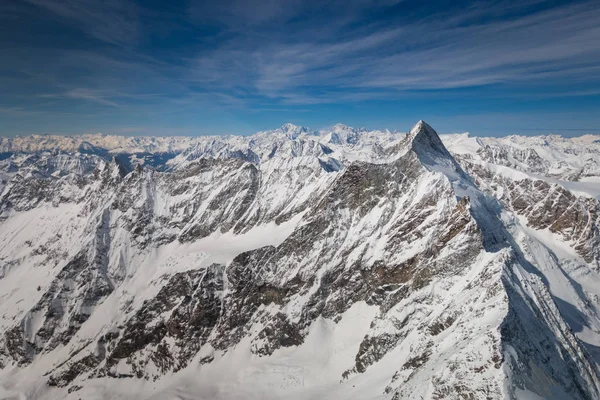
column 238, row 66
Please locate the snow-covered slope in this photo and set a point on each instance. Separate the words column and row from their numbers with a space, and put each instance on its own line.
column 337, row 264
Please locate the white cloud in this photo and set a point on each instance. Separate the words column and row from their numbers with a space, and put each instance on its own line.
column 94, row 96
column 112, row 21
column 440, row 52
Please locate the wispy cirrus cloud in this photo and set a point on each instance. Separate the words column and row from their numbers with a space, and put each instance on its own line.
column 426, row 54
column 94, row 96
column 111, row 21
column 296, row 52
column 17, row 111
column 264, row 15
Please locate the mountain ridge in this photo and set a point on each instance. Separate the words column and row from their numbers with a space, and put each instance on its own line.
column 141, row 143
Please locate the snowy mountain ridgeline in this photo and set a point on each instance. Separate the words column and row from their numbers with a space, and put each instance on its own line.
column 341, row 264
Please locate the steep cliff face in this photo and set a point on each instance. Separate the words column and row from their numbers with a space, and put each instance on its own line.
column 296, row 263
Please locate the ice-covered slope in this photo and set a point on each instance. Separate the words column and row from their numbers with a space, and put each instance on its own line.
column 337, row 264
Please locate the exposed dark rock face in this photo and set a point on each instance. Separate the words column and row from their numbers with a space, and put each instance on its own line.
column 186, row 309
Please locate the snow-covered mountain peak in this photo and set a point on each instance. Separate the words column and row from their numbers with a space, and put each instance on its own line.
column 341, row 134
column 293, row 131
column 425, row 141
column 421, row 127
column 339, row 127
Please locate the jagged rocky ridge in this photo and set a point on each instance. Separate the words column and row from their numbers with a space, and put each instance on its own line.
column 334, row 264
